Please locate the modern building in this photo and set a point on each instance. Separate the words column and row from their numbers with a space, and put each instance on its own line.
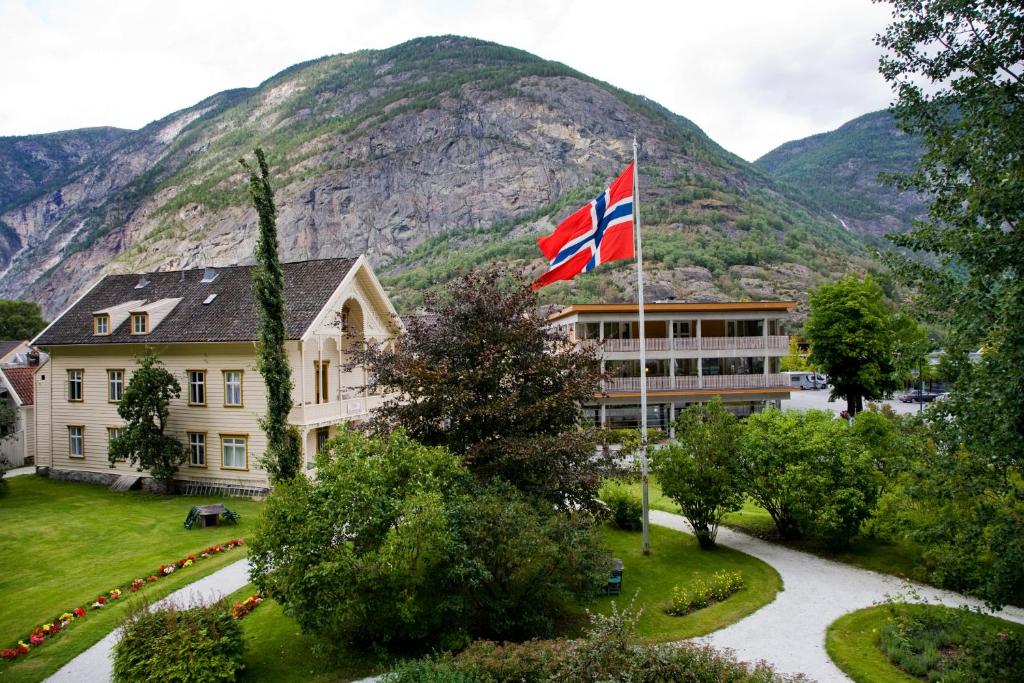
column 203, row 324
column 694, row 351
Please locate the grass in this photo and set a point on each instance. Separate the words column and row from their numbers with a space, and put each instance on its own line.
column 65, row 543
column 676, row 560
column 852, row 641
column 899, row 558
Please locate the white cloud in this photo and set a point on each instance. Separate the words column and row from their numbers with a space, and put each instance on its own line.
column 753, row 74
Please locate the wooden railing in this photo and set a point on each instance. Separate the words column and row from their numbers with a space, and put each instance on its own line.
column 692, row 343
column 335, row 412
column 690, row 382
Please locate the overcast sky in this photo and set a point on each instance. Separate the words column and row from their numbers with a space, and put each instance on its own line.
column 752, row 73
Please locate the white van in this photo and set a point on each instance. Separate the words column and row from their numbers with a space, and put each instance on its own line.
column 806, row 380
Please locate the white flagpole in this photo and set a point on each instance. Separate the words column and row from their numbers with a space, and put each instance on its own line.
column 644, row 475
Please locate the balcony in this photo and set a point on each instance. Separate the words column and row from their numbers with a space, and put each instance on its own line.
column 775, row 341
column 691, row 383
column 323, row 414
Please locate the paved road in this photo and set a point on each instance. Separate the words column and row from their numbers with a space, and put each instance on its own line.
column 789, row 633
column 805, row 400
column 95, row 664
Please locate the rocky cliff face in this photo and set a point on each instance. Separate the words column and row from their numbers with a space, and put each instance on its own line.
column 840, row 170
column 436, row 154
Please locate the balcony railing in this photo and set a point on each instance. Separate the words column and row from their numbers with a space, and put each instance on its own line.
column 690, row 382
column 321, row 414
column 774, row 341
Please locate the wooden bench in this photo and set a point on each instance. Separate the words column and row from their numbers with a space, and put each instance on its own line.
column 210, row 515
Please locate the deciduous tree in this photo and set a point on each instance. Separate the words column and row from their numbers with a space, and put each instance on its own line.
column 145, row 408
column 20, row 320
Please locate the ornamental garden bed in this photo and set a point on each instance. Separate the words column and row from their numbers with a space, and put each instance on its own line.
column 65, row 544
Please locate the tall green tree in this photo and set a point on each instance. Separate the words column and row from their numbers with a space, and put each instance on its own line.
column 957, row 70
column 283, row 458
column 853, row 339
column 145, row 408
column 701, row 469
column 20, row 319
column 479, row 377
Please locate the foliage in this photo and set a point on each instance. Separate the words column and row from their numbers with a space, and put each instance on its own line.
column 283, row 457
column 478, row 377
column 395, row 545
column 794, row 361
column 21, row 320
column 145, row 408
column 809, row 472
column 853, row 340
column 955, row 68
column 950, row 645
column 703, row 592
column 701, row 469
column 624, row 505
column 202, row 643
column 607, row 653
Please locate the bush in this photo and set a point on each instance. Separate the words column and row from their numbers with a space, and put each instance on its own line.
column 950, row 645
column 606, row 653
column 703, row 592
column 170, row 644
column 625, row 507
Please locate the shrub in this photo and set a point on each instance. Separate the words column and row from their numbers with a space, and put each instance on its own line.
column 625, row 507
column 704, row 592
column 950, row 645
column 199, row 644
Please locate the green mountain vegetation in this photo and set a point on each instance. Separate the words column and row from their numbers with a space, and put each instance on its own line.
column 839, row 172
column 437, row 154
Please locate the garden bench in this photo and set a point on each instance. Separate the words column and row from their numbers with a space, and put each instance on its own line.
column 614, row 585
column 210, row 515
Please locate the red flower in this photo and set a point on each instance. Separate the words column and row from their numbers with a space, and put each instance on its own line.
column 153, row 578
column 55, row 627
column 8, row 653
column 22, row 649
column 102, row 600
column 79, row 612
column 35, row 640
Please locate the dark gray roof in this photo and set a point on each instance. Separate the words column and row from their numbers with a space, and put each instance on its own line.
column 6, row 346
column 232, row 316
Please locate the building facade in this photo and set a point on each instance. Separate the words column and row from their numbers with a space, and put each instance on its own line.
column 203, row 325
column 694, row 351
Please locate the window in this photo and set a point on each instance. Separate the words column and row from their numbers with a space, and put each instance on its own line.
column 681, row 329
column 76, row 441
column 320, row 381
column 101, row 324
column 197, row 387
column 618, row 331
column 622, row 368
column 322, row 434
column 232, row 387
column 140, row 323
column 711, row 366
column 75, row 385
column 112, row 434
column 686, row 367
column 197, row 449
column 233, row 452
column 744, row 328
column 588, row 330
column 115, row 385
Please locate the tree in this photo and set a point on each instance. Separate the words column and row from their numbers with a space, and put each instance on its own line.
column 957, row 69
column 145, row 408
column 794, row 361
column 20, row 319
column 853, row 340
column 283, row 457
column 394, row 544
column 479, row 377
column 701, row 470
column 809, row 472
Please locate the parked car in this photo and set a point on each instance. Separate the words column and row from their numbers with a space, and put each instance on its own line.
column 807, row 380
column 918, row 396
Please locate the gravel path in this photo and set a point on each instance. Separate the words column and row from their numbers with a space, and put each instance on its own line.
column 789, row 633
column 95, row 665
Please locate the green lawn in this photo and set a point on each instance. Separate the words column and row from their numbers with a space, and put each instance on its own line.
column 852, row 643
column 675, row 560
column 897, row 558
column 66, row 543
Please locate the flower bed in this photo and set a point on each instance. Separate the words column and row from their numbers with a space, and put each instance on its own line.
column 703, row 592
column 240, row 609
column 41, row 634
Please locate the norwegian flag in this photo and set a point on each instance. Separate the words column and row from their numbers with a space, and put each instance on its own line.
column 599, row 232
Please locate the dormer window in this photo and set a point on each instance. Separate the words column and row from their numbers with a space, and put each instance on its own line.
column 101, row 324
column 140, row 323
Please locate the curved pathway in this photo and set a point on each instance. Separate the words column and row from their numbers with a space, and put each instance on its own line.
column 95, row 664
column 789, row 633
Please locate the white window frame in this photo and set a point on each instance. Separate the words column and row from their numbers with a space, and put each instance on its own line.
column 80, row 438
column 194, row 444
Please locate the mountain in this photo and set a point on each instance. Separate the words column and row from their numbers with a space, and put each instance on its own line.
column 435, row 154
column 839, row 170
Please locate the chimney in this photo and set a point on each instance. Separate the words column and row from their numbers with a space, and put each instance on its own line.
column 209, row 275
